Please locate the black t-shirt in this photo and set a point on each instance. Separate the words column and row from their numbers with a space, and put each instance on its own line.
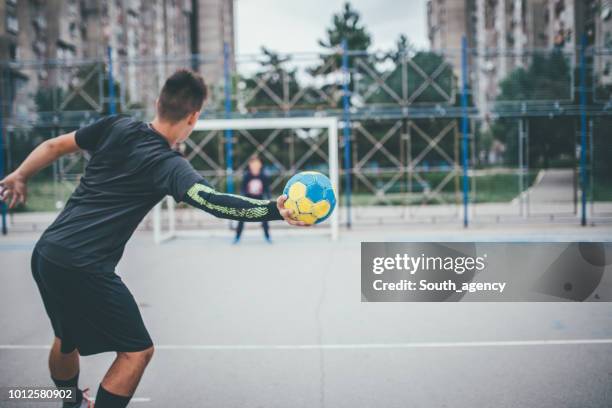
column 131, row 168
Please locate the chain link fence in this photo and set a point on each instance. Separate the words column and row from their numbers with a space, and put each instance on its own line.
column 517, row 139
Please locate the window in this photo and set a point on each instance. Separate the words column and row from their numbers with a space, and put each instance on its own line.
column 13, row 53
column 608, row 39
column 12, row 24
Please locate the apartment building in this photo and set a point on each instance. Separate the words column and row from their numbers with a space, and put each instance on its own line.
column 216, row 28
column 147, row 39
column 506, row 32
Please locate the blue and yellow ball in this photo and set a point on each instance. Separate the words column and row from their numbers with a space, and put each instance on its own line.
column 310, row 196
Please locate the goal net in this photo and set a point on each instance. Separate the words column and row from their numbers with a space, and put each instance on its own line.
column 286, row 146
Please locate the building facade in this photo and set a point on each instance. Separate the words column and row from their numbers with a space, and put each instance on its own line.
column 147, row 39
column 505, row 33
column 216, row 28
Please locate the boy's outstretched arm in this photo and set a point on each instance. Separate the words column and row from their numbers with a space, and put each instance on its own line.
column 13, row 188
column 239, row 208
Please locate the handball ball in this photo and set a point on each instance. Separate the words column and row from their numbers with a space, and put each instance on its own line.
column 310, row 196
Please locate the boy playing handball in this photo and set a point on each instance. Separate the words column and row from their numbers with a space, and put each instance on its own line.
column 132, row 167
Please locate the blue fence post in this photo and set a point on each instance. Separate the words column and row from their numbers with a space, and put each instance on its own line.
column 112, row 109
column 346, row 131
column 2, row 203
column 464, row 127
column 229, row 133
column 583, row 129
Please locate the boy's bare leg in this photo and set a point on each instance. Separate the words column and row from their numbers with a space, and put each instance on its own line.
column 124, row 374
column 62, row 366
column 64, row 369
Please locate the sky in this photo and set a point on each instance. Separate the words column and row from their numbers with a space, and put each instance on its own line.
column 297, row 25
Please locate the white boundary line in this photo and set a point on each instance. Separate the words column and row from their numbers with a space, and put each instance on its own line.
column 411, row 345
column 133, row 399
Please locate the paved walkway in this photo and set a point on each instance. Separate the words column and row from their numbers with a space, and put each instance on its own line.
column 553, row 186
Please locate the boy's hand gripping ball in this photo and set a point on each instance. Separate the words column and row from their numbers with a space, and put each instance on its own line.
column 311, row 197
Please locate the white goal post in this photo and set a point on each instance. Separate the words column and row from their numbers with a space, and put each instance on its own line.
column 328, row 123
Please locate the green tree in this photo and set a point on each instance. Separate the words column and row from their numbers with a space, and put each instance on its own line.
column 402, row 47
column 547, row 78
column 346, row 25
column 272, row 84
column 551, row 139
column 419, row 68
column 55, row 99
column 54, row 102
column 275, row 86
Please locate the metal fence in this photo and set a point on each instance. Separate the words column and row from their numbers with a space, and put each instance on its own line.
column 427, row 136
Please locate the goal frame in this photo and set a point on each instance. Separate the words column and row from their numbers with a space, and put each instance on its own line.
column 329, row 122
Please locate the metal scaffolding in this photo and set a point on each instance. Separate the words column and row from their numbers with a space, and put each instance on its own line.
column 407, row 140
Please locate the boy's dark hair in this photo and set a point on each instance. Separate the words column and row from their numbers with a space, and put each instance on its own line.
column 183, row 93
column 254, row 157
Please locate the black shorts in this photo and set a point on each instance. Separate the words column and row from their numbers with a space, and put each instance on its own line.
column 90, row 312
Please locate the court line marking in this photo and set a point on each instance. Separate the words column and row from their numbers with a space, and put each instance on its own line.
column 133, row 399
column 349, row 346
